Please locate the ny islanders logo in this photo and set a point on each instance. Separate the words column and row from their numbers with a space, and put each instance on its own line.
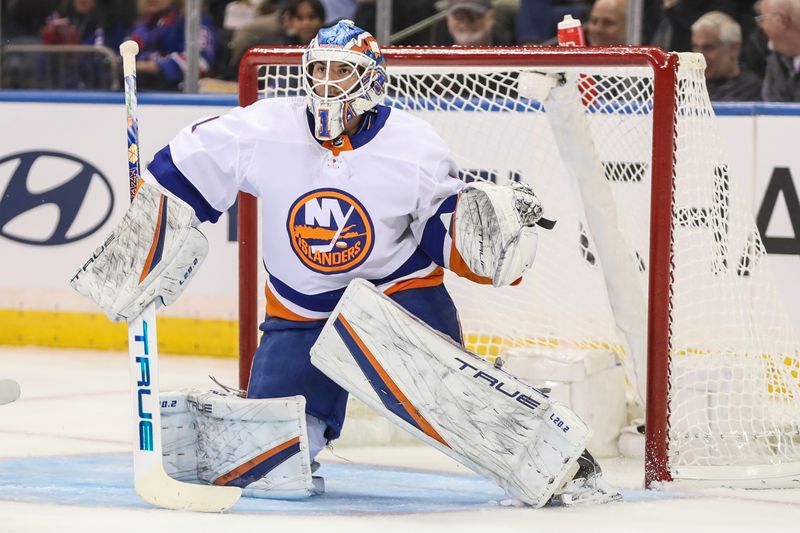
column 330, row 231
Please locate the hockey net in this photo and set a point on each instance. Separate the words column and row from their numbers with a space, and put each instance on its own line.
column 654, row 259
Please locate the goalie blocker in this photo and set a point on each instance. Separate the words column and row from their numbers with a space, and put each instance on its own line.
column 479, row 415
column 151, row 255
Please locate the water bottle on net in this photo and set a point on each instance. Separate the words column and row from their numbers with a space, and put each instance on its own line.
column 570, row 32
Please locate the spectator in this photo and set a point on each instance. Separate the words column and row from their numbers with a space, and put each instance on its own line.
column 473, row 23
column 538, row 20
column 87, row 22
column 780, row 20
column 237, row 15
column 216, row 10
column 339, row 9
column 159, row 31
column 755, row 51
column 124, row 12
column 665, row 23
column 608, row 23
column 719, row 38
column 22, row 19
column 303, row 19
column 677, row 16
column 405, row 13
column 744, row 12
column 265, row 29
column 295, row 25
column 83, row 22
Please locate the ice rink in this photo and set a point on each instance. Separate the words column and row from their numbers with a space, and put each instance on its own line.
column 65, row 466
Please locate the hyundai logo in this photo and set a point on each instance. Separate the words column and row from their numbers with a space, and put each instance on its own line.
column 52, row 198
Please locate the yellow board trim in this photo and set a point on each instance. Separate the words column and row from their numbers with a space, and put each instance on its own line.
column 219, row 338
column 94, row 331
column 187, row 336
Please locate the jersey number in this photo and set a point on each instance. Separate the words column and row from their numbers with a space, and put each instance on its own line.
column 324, row 122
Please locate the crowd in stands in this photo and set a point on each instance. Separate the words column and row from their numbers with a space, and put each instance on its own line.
column 752, row 48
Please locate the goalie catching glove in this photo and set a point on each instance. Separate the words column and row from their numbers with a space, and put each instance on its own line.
column 152, row 253
column 495, row 230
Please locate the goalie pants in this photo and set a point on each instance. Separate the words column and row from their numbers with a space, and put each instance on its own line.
column 282, row 363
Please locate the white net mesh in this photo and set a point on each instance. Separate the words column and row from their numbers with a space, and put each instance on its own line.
column 735, row 390
column 582, row 139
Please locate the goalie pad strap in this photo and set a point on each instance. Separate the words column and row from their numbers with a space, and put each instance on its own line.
column 481, row 416
column 152, row 253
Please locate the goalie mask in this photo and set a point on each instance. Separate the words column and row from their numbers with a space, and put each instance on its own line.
column 344, row 76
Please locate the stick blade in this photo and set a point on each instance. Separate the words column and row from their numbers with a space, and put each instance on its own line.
column 9, row 391
column 157, row 488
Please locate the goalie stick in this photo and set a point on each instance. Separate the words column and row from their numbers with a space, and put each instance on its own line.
column 152, row 483
column 9, row 391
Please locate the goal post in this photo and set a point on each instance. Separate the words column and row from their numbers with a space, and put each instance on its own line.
column 654, row 263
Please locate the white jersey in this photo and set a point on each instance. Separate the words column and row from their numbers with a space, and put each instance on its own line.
column 374, row 205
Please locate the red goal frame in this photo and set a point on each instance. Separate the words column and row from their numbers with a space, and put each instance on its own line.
column 664, row 66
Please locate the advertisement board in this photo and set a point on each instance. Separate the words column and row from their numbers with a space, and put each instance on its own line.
column 63, row 178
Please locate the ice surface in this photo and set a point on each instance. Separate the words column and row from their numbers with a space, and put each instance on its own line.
column 65, row 466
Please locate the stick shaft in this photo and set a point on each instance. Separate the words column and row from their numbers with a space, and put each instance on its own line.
column 150, row 480
column 142, row 332
column 128, row 50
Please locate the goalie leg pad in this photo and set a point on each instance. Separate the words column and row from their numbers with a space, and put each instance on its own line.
column 152, row 253
column 479, row 415
column 178, row 437
column 260, row 445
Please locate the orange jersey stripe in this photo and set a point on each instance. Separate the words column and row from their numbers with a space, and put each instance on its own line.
column 276, row 309
column 241, row 469
column 404, row 401
column 433, row 279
